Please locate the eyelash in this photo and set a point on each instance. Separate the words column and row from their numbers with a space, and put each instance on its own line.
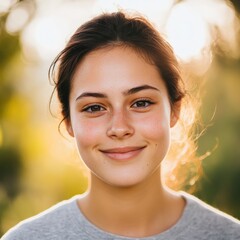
column 87, row 108
column 149, row 102
column 90, row 109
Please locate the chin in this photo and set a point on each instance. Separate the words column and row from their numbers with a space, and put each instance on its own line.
column 124, row 181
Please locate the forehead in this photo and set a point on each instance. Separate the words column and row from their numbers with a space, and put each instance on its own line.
column 118, row 67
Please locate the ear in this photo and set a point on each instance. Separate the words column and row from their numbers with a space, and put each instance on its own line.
column 175, row 113
column 68, row 125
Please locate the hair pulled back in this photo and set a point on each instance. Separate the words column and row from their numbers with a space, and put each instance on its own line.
column 116, row 29
column 119, row 29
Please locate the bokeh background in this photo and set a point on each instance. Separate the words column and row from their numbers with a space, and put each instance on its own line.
column 39, row 167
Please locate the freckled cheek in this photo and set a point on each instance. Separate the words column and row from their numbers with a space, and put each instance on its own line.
column 88, row 133
column 155, row 129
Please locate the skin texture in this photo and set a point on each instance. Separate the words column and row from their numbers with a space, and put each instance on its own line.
column 121, row 117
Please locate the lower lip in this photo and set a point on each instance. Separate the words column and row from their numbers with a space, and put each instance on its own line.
column 123, row 156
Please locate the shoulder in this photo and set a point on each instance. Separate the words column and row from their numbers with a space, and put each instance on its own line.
column 49, row 224
column 211, row 221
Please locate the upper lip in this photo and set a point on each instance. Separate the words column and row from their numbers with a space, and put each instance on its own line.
column 122, row 149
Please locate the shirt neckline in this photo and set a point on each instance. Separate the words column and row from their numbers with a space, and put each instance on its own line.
column 83, row 224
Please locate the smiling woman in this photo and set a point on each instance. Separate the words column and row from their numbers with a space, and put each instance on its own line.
column 121, row 94
column 125, row 117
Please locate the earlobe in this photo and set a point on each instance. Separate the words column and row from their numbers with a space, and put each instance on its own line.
column 69, row 127
column 175, row 113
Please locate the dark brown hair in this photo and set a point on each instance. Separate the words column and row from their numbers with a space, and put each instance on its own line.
column 116, row 29
column 120, row 29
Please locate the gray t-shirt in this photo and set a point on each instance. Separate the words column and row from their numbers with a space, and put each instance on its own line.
column 65, row 221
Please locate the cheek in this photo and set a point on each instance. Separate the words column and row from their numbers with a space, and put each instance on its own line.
column 155, row 127
column 157, row 133
column 87, row 133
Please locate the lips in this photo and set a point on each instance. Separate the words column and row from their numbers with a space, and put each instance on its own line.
column 122, row 153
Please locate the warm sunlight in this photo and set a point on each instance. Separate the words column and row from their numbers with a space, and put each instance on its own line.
column 187, row 32
column 1, row 136
column 39, row 161
column 17, row 19
column 187, row 25
column 44, row 37
column 5, row 5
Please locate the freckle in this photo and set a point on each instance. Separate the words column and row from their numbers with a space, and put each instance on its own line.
column 104, row 162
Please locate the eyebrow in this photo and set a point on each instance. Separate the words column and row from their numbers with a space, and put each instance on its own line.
column 126, row 93
column 91, row 94
column 139, row 88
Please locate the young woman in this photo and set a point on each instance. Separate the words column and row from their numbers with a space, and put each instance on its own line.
column 120, row 91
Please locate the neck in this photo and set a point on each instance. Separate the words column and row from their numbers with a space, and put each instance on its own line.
column 134, row 211
column 126, row 199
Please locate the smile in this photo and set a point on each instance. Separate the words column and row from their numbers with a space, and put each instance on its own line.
column 124, row 153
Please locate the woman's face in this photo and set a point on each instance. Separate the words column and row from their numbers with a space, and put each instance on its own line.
column 120, row 116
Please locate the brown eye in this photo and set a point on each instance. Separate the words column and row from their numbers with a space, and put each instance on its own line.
column 93, row 108
column 142, row 104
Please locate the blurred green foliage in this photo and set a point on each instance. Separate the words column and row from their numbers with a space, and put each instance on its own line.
column 10, row 157
column 220, row 184
column 28, row 184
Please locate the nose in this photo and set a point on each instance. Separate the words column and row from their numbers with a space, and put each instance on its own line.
column 120, row 126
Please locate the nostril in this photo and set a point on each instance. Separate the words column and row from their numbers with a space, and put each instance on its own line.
column 119, row 125
column 120, row 132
